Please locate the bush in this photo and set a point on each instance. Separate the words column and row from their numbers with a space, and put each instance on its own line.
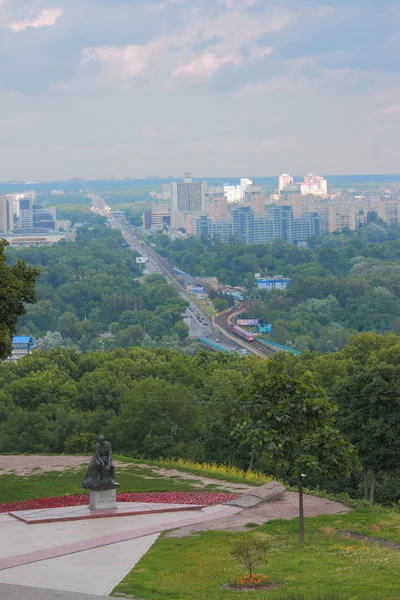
column 83, row 443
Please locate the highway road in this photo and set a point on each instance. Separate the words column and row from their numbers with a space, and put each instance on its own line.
column 198, row 323
column 220, row 330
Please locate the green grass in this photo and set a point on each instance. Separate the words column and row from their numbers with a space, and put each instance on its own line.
column 14, row 488
column 329, row 566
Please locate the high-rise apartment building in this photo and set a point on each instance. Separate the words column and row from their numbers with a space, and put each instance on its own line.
column 236, row 193
column 216, row 229
column 6, row 215
column 263, row 230
column 188, row 197
column 389, row 211
column 166, row 191
column 216, row 202
column 244, row 184
column 305, row 226
column 243, row 223
column 279, row 223
column 255, row 197
column 345, row 217
column 26, row 213
column 314, row 185
column 282, row 216
column 284, row 181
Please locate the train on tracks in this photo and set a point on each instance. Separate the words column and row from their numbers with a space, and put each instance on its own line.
column 249, row 337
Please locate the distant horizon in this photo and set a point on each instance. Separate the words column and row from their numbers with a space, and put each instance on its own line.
column 157, row 178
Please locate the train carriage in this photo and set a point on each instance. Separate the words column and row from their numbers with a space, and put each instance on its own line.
column 249, row 337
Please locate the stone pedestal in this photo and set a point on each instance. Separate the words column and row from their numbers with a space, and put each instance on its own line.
column 102, row 500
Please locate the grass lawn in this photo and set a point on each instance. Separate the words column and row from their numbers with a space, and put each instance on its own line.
column 328, row 566
column 132, row 479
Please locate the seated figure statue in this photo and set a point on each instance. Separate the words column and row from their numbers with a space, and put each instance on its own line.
column 100, row 473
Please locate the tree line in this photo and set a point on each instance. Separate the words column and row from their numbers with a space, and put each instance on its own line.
column 91, row 294
column 342, row 283
column 155, row 403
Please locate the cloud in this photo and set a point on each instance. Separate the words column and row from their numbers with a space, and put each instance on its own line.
column 119, row 63
column 389, row 111
column 154, row 131
column 46, row 18
column 198, row 49
column 163, row 5
column 204, row 67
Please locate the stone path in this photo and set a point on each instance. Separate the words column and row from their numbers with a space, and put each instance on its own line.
column 19, row 592
column 64, row 555
column 288, row 508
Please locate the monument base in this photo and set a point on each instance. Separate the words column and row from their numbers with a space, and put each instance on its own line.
column 102, row 500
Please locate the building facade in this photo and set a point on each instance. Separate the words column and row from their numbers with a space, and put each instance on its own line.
column 188, row 197
column 6, row 215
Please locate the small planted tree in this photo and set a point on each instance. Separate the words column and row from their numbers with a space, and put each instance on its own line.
column 285, row 414
column 250, row 551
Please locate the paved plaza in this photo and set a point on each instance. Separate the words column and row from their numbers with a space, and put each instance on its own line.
column 65, row 554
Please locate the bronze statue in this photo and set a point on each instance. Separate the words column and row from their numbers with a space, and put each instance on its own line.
column 100, row 473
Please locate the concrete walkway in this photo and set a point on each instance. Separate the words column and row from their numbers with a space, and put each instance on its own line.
column 90, row 556
column 19, row 592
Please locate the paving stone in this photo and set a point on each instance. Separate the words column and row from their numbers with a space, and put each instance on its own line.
column 19, row 592
column 269, row 492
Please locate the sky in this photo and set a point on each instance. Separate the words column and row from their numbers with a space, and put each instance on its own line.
column 133, row 88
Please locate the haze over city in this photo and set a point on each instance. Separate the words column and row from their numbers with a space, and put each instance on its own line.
column 130, row 88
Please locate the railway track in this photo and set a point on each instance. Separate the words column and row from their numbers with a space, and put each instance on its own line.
column 223, row 322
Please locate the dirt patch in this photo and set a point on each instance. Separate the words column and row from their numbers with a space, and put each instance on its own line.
column 35, row 465
column 288, row 508
column 198, row 480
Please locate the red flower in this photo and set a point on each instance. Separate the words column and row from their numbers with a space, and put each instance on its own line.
column 203, row 498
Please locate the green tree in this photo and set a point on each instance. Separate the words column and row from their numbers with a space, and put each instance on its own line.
column 17, row 288
column 285, row 414
column 369, row 414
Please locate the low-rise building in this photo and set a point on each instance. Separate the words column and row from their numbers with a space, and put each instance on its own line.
column 276, row 282
column 22, row 346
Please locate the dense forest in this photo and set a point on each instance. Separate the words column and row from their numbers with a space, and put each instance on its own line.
column 90, row 295
column 161, row 403
column 342, row 283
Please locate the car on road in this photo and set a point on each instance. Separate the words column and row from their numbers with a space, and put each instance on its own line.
column 217, row 340
column 203, row 331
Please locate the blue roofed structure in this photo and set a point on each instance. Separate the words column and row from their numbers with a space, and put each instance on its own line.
column 22, row 346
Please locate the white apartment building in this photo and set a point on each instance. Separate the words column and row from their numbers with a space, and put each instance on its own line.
column 236, row 193
column 314, row 185
column 284, row 180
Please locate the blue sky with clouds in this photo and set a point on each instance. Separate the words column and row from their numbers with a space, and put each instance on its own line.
column 94, row 88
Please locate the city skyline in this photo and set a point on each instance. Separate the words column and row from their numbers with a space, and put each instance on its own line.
column 94, row 88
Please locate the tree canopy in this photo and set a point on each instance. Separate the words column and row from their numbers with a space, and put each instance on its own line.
column 17, row 289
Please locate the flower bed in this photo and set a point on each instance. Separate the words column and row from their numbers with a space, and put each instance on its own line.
column 203, row 498
column 248, row 583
